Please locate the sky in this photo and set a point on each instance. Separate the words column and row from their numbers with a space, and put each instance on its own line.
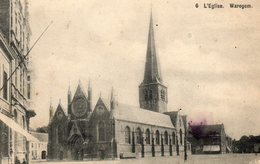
column 209, row 58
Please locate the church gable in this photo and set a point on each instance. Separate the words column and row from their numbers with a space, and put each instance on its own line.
column 79, row 105
column 79, row 93
column 100, row 123
column 176, row 118
column 59, row 115
column 101, row 109
column 58, row 127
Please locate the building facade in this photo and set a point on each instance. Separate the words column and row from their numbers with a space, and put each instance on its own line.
column 113, row 130
column 209, row 139
column 38, row 149
column 14, row 80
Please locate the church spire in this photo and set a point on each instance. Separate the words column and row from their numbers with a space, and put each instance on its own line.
column 113, row 103
column 89, row 96
column 152, row 68
column 69, row 100
column 112, row 99
column 51, row 112
column 69, row 95
column 152, row 92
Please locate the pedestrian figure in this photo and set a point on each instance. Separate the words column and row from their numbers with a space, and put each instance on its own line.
column 24, row 162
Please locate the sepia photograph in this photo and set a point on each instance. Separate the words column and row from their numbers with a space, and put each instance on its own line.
column 129, row 81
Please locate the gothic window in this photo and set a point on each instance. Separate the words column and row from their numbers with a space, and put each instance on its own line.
column 166, row 137
column 157, row 137
column 150, row 94
column 173, row 138
column 127, row 135
column 147, row 139
column 60, row 134
column 101, row 131
column 146, row 95
column 181, row 136
column 5, row 86
column 163, row 96
column 138, row 136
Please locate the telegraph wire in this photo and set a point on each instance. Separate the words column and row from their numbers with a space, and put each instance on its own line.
column 25, row 56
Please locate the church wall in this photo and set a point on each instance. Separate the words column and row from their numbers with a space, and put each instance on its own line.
column 180, row 125
column 101, row 146
column 57, row 149
column 126, row 148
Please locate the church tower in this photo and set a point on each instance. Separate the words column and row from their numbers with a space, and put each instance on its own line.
column 152, row 92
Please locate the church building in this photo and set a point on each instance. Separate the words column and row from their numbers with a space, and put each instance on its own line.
column 113, row 130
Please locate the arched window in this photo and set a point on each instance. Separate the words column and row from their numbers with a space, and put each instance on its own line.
column 146, row 95
column 181, row 136
column 127, row 135
column 101, row 131
column 166, row 137
column 138, row 136
column 150, row 94
column 173, row 138
column 163, row 97
column 157, row 137
column 60, row 134
column 147, row 135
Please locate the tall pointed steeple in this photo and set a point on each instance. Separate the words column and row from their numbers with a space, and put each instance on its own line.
column 113, row 103
column 69, row 100
column 69, row 95
column 89, row 96
column 152, row 67
column 112, row 99
column 51, row 111
column 152, row 92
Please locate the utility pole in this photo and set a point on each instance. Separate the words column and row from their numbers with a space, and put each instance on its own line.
column 25, row 56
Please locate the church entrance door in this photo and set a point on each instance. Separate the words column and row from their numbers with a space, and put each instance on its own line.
column 76, row 145
column 61, row 155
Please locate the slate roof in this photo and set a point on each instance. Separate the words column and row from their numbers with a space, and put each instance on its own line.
column 42, row 137
column 152, row 67
column 173, row 115
column 138, row 115
column 184, row 119
column 199, row 131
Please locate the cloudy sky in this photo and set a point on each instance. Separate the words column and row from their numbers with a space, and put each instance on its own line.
column 209, row 58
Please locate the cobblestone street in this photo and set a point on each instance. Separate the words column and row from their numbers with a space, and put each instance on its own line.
column 194, row 159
